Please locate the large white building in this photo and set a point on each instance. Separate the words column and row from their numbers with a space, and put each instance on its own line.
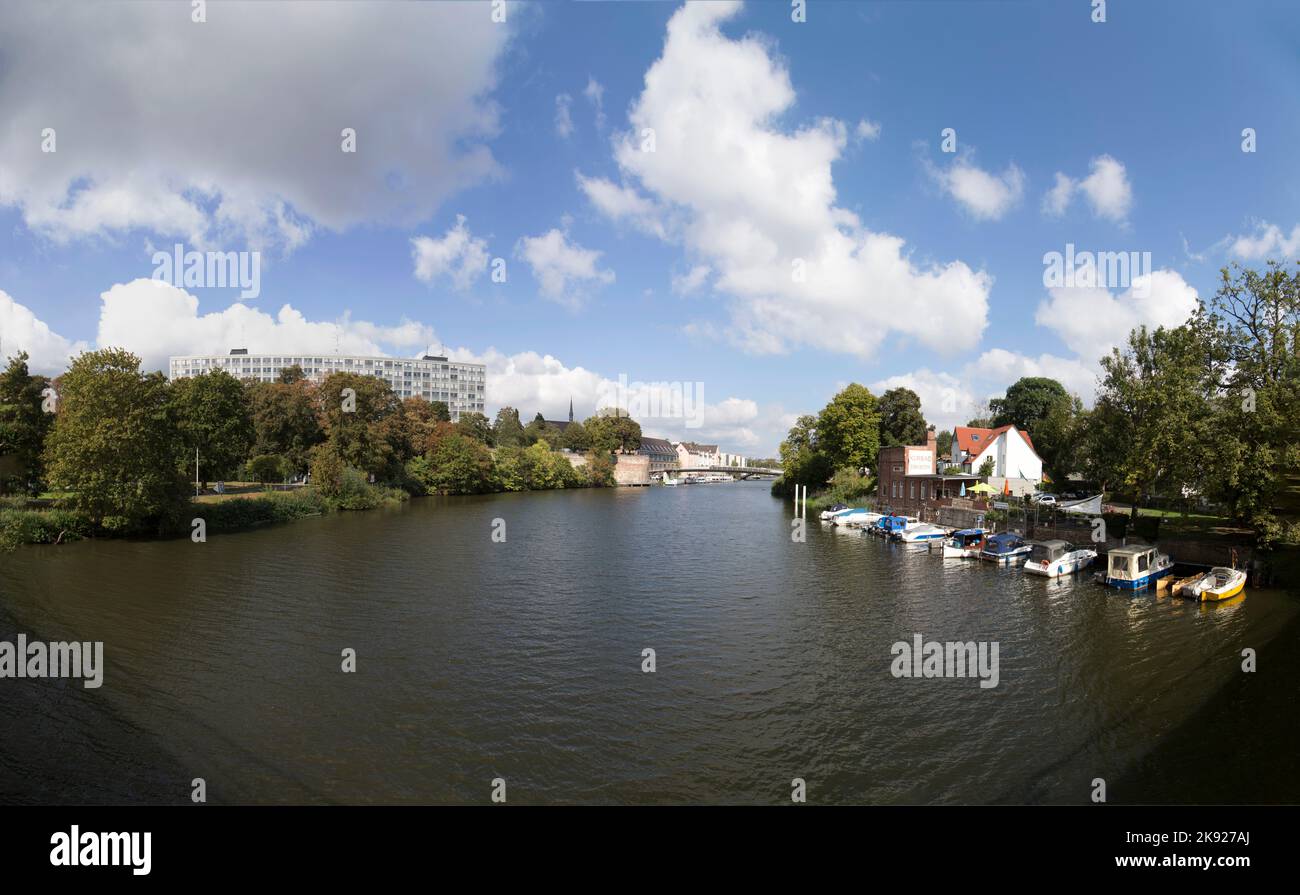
column 460, row 385
column 1011, row 450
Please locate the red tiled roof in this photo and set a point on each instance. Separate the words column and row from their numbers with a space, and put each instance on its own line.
column 973, row 440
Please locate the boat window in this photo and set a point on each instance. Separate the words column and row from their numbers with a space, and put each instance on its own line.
column 1144, row 562
column 1117, row 564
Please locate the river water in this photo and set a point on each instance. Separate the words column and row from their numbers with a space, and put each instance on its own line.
column 478, row 659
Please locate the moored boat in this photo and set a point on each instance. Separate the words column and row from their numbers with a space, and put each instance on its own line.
column 1136, row 566
column 856, row 518
column 827, row 515
column 922, row 534
column 887, row 526
column 1054, row 558
column 964, row 544
column 1220, row 583
column 1005, row 547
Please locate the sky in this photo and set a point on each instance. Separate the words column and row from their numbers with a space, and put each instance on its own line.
column 711, row 200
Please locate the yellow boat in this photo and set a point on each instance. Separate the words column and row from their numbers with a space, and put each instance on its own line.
column 1220, row 583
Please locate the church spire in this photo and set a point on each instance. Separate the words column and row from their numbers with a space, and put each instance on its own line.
column 570, row 409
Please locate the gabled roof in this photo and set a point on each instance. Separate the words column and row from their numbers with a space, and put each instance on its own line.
column 656, row 446
column 973, row 440
column 558, row 424
column 700, row 448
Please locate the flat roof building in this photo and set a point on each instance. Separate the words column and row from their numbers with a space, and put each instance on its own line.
column 434, row 378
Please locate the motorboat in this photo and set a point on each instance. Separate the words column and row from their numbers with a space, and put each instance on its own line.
column 1005, row 547
column 1053, row 558
column 827, row 515
column 922, row 534
column 671, row 483
column 1220, row 583
column 1136, row 566
column 859, row 518
column 887, row 526
column 964, row 544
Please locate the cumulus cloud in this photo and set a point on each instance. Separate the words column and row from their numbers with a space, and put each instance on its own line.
column 623, row 203
column 1106, row 188
column 458, row 255
column 867, row 130
column 757, row 204
column 21, row 330
column 595, row 94
column 692, row 280
column 564, row 270
column 985, row 195
column 247, row 145
column 1267, row 242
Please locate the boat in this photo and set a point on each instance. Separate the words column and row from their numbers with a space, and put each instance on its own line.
column 855, row 518
column 1055, row 557
column 826, row 515
column 1175, row 585
column 1136, row 567
column 1220, row 583
column 887, row 526
column 922, row 533
column 1005, row 547
column 964, row 544
column 671, row 483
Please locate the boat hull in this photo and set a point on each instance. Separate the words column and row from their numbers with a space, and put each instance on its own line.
column 1138, row 583
column 1059, row 567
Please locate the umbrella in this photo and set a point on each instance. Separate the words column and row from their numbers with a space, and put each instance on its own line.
column 981, row 488
column 963, row 489
column 1006, row 487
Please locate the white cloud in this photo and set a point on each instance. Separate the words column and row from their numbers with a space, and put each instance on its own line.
column 565, row 270
column 867, row 130
column 946, row 400
column 458, row 255
column 563, row 116
column 755, row 201
column 21, row 330
column 624, row 203
column 692, row 279
column 595, row 94
column 1106, row 188
column 985, row 195
column 247, row 145
column 156, row 320
column 1267, row 242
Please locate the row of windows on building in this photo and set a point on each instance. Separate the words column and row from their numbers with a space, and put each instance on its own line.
column 896, row 490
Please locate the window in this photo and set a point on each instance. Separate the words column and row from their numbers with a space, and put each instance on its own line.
column 911, row 490
column 1144, row 562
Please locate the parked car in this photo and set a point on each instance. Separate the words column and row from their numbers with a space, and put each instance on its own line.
column 1045, row 498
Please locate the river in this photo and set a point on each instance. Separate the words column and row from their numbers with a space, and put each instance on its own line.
column 522, row 659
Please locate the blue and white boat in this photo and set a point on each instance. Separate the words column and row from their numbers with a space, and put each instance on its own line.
column 827, row 515
column 858, row 518
column 1056, row 558
column 888, row 526
column 1135, row 567
column 1006, row 547
column 964, row 544
column 922, row 534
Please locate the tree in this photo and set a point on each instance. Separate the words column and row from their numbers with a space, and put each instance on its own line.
column 610, row 431
column 507, row 431
column 441, row 412
column 987, row 467
column 576, row 438
column 1043, row 408
column 943, row 443
column 291, row 374
column 901, row 421
column 113, row 444
column 848, row 428
column 212, row 414
column 460, row 465
column 1150, row 408
column 476, row 426
column 538, row 429
column 24, row 424
column 285, row 421
column 365, row 428
column 802, row 460
column 268, row 468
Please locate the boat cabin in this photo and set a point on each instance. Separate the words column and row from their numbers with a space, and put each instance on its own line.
column 1131, row 563
column 1003, row 543
column 1049, row 551
column 967, row 537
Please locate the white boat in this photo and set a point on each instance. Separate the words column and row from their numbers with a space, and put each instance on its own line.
column 1054, row 558
column 1220, row 583
column 1132, row 568
column 922, row 533
column 964, row 544
column 859, row 518
column 828, row 515
column 671, row 483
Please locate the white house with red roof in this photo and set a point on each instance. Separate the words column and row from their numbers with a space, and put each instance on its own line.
column 1013, row 453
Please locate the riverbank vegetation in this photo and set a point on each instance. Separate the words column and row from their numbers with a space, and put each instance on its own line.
column 1200, row 419
column 107, row 449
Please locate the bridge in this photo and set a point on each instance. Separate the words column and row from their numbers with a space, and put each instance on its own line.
column 740, row 472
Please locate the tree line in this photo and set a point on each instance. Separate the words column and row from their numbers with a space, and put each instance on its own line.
column 1207, row 411
column 122, row 446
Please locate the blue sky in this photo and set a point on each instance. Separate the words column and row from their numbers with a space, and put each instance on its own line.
column 776, row 140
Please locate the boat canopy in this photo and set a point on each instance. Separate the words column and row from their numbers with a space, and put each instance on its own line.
column 1131, row 562
column 1049, row 551
column 1001, row 543
column 968, row 536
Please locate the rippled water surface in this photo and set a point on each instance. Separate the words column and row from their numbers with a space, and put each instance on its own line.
column 522, row 660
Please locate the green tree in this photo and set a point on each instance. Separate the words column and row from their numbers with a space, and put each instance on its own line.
column 1043, row 408
column 476, row 426
column 113, row 444
column 24, row 424
column 848, row 428
column 212, row 414
column 802, row 460
column 268, row 469
column 285, row 421
column 441, row 412
column 365, row 428
column 507, row 430
column 460, row 466
column 538, row 429
column 291, row 374
column 987, row 467
column 610, row 431
column 901, row 421
column 943, row 443
column 576, row 438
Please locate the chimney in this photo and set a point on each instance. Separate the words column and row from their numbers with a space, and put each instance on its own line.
column 932, row 444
